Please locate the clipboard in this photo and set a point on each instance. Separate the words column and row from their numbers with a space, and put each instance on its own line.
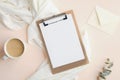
column 62, row 41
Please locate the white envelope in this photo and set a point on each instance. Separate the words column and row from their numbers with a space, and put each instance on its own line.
column 104, row 20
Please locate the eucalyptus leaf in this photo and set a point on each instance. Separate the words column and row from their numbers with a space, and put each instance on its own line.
column 110, row 65
column 101, row 75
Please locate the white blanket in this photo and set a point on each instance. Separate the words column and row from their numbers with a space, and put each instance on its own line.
column 15, row 14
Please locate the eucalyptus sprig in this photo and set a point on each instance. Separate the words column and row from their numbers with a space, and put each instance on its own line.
column 106, row 70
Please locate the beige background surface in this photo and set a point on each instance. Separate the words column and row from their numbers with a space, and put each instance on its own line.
column 102, row 45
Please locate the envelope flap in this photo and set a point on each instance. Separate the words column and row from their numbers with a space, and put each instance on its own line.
column 105, row 17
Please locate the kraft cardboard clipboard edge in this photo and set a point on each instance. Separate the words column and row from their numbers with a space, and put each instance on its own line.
column 71, row 65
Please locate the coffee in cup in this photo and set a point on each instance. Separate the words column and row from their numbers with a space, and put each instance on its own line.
column 13, row 48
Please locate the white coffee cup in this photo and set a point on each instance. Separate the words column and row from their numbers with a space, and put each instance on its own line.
column 18, row 47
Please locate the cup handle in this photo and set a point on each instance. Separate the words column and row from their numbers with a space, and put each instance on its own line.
column 4, row 57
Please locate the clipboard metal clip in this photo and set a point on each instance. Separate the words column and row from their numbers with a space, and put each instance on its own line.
column 46, row 24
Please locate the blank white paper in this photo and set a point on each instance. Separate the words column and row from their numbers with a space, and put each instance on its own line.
column 62, row 42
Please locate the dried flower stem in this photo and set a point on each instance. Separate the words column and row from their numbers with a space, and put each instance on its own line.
column 106, row 70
